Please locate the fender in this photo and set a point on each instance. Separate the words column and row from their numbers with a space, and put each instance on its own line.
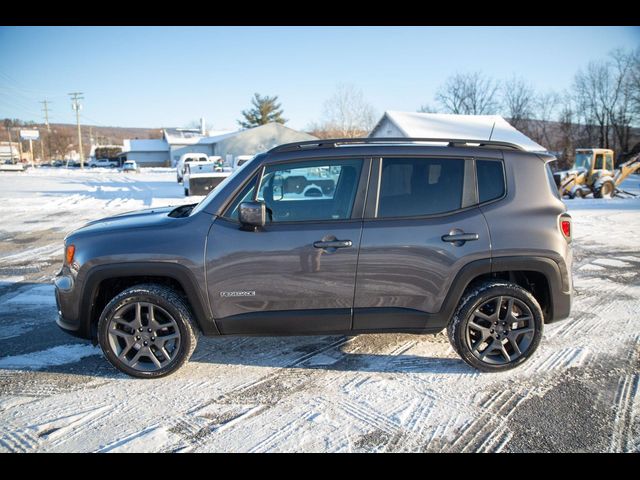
column 175, row 271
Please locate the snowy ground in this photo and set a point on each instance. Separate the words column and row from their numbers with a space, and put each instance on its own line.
column 365, row 393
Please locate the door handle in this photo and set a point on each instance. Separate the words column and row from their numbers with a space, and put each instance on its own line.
column 458, row 239
column 333, row 244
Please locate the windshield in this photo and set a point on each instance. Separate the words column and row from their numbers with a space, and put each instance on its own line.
column 220, row 186
column 583, row 161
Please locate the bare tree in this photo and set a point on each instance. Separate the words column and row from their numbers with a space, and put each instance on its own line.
column 634, row 81
column 427, row 108
column 470, row 94
column 606, row 94
column 545, row 106
column 59, row 144
column 568, row 127
column 346, row 114
column 518, row 99
column 622, row 111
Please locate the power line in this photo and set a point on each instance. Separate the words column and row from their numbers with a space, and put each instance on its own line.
column 45, row 109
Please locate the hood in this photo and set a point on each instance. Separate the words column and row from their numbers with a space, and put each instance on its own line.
column 151, row 217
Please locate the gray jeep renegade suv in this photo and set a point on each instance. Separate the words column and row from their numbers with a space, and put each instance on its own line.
column 333, row 237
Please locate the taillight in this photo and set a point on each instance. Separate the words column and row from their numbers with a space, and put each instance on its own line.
column 565, row 226
column 69, row 253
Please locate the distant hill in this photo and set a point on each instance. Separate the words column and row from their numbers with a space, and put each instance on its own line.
column 90, row 133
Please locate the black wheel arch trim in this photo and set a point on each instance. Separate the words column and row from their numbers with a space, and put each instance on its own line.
column 174, row 271
column 560, row 301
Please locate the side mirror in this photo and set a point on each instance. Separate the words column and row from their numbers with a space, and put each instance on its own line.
column 253, row 214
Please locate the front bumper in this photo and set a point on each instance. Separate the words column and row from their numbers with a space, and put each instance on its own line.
column 67, row 304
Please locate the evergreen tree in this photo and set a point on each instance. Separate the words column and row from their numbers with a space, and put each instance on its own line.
column 265, row 110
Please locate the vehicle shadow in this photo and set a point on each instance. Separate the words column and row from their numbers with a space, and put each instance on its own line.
column 31, row 340
column 323, row 353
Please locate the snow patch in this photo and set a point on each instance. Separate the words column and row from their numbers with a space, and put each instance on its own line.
column 41, row 295
column 152, row 439
column 610, row 262
column 60, row 355
column 590, row 267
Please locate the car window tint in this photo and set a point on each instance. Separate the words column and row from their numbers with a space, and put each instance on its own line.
column 306, row 191
column 490, row 176
column 420, row 186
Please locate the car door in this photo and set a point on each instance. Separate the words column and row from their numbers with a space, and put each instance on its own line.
column 413, row 241
column 297, row 273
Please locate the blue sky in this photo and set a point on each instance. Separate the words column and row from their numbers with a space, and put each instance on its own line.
column 170, row 76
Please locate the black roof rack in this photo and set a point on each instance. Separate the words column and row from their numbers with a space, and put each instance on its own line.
column 337, row 142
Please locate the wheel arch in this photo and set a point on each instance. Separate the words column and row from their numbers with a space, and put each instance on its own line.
column 103, row 282
column 541, row 276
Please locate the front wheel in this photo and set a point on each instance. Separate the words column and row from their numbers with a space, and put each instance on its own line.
column 496, row 327
column 147, row 331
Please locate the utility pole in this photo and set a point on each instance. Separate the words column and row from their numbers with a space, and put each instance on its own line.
column 45, row 109
column 75, row 104
column 8, row 125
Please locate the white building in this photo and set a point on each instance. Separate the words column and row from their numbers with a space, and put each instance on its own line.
column 450, row 126
column 9, row 152
column 146, row 152
column 253, row 140
column 228, row 144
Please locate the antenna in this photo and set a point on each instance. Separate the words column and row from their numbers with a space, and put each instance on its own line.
column 491, row 134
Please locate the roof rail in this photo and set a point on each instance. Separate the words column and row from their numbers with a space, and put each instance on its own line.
column 337, row 142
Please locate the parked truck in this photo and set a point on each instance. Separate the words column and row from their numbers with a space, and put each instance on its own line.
column 202, row 177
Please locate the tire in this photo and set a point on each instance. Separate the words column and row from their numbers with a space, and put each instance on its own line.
column 605, row 190
column 468, row 338
column 173, row 319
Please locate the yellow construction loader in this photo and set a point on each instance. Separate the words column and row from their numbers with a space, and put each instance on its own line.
column 593, row 172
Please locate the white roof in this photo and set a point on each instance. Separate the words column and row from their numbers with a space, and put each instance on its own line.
column 145, row 145
column 216, row 136
column 464, row 127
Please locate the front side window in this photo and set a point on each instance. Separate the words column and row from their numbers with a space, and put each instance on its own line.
column 307, row 191
column 420, row 186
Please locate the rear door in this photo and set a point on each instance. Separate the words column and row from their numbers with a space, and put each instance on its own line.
column 297, row 274
column 413, row 240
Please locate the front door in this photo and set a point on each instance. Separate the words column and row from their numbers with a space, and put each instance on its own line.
column 297, row 274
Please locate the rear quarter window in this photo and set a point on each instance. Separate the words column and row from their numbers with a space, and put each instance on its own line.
column 490, row 174
column 551, row 181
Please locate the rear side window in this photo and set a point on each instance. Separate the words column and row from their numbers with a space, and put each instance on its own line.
column 552, row 182
column 490, row 175
column 420, row 186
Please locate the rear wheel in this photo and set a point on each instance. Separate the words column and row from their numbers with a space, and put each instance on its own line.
column 496, row 327
column 605, row 190
column 147, row 331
